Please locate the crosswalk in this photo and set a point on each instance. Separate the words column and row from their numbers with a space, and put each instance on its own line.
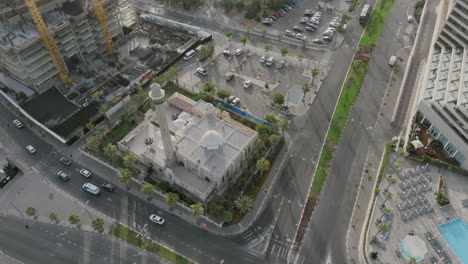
column 250, row 235
column 48, row 164
column 282, row 251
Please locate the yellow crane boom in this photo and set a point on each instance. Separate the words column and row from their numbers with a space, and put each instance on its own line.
column 101, row 17
column 49, row 41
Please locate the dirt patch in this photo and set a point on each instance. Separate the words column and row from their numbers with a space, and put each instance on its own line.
column 309, row 208
column 246, row 21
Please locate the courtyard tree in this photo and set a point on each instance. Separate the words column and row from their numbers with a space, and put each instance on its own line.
column 171, row 198
column 110, row 151
column 274, row 139
column 264, row 131
column 223, row 94
column 209, row 88
column 31, row 211
column 284, row 51
column 314, row 72
column 124, row 176
column 278, row 98
column 283, row 125
column 267, row 47
column 53, row 217
column 129, row 161
column 271, row 118
column 243, row 40
column 227, row 216
column 103, row 110
column 74, row 219
column 98, row 224
column 300, row 57
column 263, row 164
column 147, row 189
column 197, row 209
column 92, row 143
column 305, row 89
column 244, row 203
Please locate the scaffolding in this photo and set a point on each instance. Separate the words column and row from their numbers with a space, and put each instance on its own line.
column 48, row 41
column 101, row 17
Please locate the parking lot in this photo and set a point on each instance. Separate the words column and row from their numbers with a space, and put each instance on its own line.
column 286, row 21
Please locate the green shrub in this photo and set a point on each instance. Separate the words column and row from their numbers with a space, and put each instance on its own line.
column 240, row 4
column 205, row 51
column 227, row 4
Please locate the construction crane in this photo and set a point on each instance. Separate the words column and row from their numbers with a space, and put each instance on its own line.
column 101, row 17
column 49, row 41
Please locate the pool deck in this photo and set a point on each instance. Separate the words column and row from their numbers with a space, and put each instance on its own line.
column 457, row 190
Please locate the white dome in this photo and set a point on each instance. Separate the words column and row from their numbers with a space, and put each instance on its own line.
column 211, row 140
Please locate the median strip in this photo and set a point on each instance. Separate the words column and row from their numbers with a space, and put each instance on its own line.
column 348, row 94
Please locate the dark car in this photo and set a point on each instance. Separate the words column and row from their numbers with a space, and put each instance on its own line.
column 65, row 161
column 298, row 29
column 108, row 187
column 229, row 76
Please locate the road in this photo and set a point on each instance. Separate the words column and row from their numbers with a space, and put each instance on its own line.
column 54, row 244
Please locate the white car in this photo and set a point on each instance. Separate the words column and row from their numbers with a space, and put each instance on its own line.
column 202, row 71
column 238, row 52
column 17, row 123
column 247, row 84
column 300, row 36
column 262, row 59
column 156, row 219
column 91, row 188
column 31, row 149
column 85, row 173
column 235, row 102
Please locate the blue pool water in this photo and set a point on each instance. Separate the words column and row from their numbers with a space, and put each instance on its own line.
column 455, row 233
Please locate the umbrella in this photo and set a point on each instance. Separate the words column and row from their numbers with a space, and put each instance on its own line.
column 417, row 143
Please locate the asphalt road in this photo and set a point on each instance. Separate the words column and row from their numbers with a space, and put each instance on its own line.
column 54, row 244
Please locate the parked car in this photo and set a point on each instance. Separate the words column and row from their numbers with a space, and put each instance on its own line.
column 317, row 41
column 189, row 55
column 31, row 149
column 108, row 187
column 334, row 24
column 202, row 71
column 309, row 12
column 310, row 29
column 298, row 29
column 410, row 19
column 65, row 161
column 314, row 21
column 239, row 52
column 91, row 188
column 312, row 25
column 303, row 20
column 274, row 18
column 287, row 7
column 235, row 102
column 327, row 38
column 328, row 33
column 262, row 59
column 270, row 61
column 230, row 99
column 63, row 176
column 156, row 219
column 279, row 14
column 280, row 64
column 247, row 84
column 229, row 76
column 85, row 173
column 267, row 22
column 227, row 53
column 289, row 33
column 17, row 123
column 300, row 36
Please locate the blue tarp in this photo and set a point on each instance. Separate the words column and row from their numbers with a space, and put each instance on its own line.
column 240, row 112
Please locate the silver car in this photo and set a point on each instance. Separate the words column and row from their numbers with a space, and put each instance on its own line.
column 91, row 188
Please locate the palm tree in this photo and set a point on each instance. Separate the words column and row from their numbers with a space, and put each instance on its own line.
column 89, row 126
column 274, row 139
column 284, row 51
column 229, row 35
column 74, row 219
column 300, row 57
column 31, row 211
column 382, row 227
column 130, row 107
column 263, row 164
column 98, row 224
column 244, row 203
column 110, row 150
column 99, row 131
column 267, row 47
column 412, row 260
column 385, row 211
column 243, row 40
column 271, row 118
column 171, row 198
column 129, row 161
column 280, row 36
column 147, row 189
column 197, row 209
column 92, row 143
column 305, row 89
column 314, row 73
column 103, row 110
column 53, row 217
column 124, row 176
column 388, row 195
column 393, row 180
column 283, row 125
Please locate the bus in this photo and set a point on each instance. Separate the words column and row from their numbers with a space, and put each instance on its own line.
column 364, row 14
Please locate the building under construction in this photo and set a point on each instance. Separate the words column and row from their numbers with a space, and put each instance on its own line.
column 73, row 32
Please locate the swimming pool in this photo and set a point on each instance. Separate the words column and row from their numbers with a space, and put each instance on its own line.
column 455, row 233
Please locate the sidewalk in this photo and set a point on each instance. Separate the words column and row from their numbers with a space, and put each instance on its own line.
column 108, row 172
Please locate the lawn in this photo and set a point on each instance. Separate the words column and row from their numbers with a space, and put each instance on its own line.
column 171, row 88
column 151, row 246
column 118, row 132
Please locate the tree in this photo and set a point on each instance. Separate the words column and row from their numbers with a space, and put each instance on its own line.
column 129, row 161
column 374, row 255
column 314, row 72
column 92, row 143
column 283, row 125
column 278, row 98
column 130, row 107
column 147, row 189
column 31, row 211
column 98, row 224
column 209, row 88
column 99, row 131
column 243, row 40
column 229, row 35
column 372, row 47
column 385, row 211
column 382, row 228
column 300, row 56
column 53, row 217
column 124, row 176
column 171, row 198
column 388, row 195
column 267, row 47
column 393, row 180
column 305, row 89
column 280, row 36
column 412, row 260
column 89, row 126
column 74, row 219
column 227, row 216
column 263, row 164
column 264, row 31
column 197, row 209
column 244, row 203
column 274, row 139
column 110, row 150
column 103, row 110
column 223, row 94
column 271, row 118
column 264, row 131
column 284, row 51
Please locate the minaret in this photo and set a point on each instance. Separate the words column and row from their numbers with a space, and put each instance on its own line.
column 157, row 97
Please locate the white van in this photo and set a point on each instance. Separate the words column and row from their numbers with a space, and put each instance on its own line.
column 269, row 61
column 189, row 55
column 392, row 61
